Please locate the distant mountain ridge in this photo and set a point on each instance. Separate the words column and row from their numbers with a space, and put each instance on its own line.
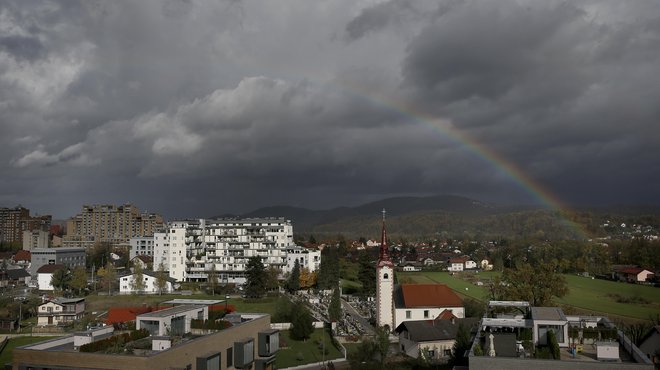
column 397, row 206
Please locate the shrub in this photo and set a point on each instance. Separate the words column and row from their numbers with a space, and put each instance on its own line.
column 478, row 351
column 553, row 345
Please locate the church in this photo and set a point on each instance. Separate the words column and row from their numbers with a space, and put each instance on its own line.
column 410, row 302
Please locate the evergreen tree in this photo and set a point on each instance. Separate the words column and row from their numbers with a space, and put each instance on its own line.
column 302, row 325
column 461, row 345
column 367, row 274
column 329, row 269
column 255, row 274
column 60, row 278
column 161, row 278
column 79, row 279
column 293, row 284
column 334, row 309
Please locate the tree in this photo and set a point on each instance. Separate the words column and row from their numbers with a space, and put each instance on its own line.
column 255, row 274
column 212, row 278
column 334, row 309
column 108, row 275
column 293, row 284
column 99, row 254
column 79, row 279
column 272, row 278
column 367, row 274
column 302, row 325
column 137, row 282
column 536, row 285
column 60, row 278
column 371, row 353
column 328, row 273
column 161, row 278
column 307, row 278
column 312, row 239
column 461, row 345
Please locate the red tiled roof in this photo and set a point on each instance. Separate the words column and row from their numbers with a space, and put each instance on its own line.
column 49, row 269
column 429, row 295
column 446, row 315
column 125, row 314
column 23, row 255
column 143, row 258
column 632, row 270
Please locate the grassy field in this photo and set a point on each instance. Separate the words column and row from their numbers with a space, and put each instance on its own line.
column 7, row 353
column 309, row 350
column 584, row 293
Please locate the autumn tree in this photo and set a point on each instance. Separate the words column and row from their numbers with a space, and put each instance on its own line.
column 79, row 279
column 537, row 285
column 255, row 274
column 137, row 282
column 161, row 278
column 307, row 278
column 108, row 275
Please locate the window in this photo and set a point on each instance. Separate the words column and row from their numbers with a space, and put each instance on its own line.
column 408, row 314
column 230, row 357
column 426, row 314
column 385, row 276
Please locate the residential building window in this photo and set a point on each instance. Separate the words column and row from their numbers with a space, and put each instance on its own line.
column 426, row 314
column 230, row 357
column 408, row 314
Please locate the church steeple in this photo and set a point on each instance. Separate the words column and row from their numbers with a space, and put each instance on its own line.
column 384, row 254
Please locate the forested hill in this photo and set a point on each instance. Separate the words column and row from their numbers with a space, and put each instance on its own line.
column 448, row 216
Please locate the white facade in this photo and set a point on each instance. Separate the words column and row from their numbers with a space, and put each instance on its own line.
column 424, row 313
column 455, row 267
column 142, row 246
column 44, row 281
column 385, row 296
column 470, row 264
column 150, row 286
column 307, row 258
column 191, row 249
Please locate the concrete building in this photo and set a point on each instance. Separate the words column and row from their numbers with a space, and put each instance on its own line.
column 248, row 344
column 190, row 249
column 14, row 221
column 433, row 340
column 171, row 321
column 511, row 334
column 142, row 246
column 307, row 258
column 110, row 224
column 70, row 257
column 35, row 239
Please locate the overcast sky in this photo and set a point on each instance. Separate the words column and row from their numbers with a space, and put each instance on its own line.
column 193, row 108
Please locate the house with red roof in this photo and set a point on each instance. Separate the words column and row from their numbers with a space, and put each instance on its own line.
column 634, row 274
column 425, row 302
column 457, row 264
column 22, row 258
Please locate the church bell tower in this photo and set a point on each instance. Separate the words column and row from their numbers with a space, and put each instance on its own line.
column 384, row 284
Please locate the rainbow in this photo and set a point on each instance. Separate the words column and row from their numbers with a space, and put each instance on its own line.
column 546, row 198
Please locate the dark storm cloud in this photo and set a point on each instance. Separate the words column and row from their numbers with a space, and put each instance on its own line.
column 194, row 108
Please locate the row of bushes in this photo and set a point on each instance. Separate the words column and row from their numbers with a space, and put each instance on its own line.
column 115, row 340
column 210, row 324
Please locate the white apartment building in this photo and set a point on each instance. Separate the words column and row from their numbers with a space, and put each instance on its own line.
column 307, row 258
column 141, row 246
column 190, row 249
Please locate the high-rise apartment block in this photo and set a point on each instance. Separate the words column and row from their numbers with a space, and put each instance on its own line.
column 191, row 249
column 111, row 224
column 14, row 221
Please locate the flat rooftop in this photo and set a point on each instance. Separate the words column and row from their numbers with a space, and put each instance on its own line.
column 196, row 302
column 548, row 313
column 169, row 311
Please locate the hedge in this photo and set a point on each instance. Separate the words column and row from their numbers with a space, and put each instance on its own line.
column 120, row 340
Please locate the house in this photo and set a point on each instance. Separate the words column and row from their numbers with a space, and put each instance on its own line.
column 150, row 283
column 145, row 262
column 650, row 344
column 45, row 276
column 22, row 258
column 411, row 266
column 14, row 276
column 433, row 340
column 456, row 264
column 634, row 274
column 60, row 311
column 486, row 265
column 425, row 302
column 469, row 265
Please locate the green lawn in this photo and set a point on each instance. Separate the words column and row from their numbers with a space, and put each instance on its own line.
column 309, row 350
column 7, row 353
column 584, row 293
